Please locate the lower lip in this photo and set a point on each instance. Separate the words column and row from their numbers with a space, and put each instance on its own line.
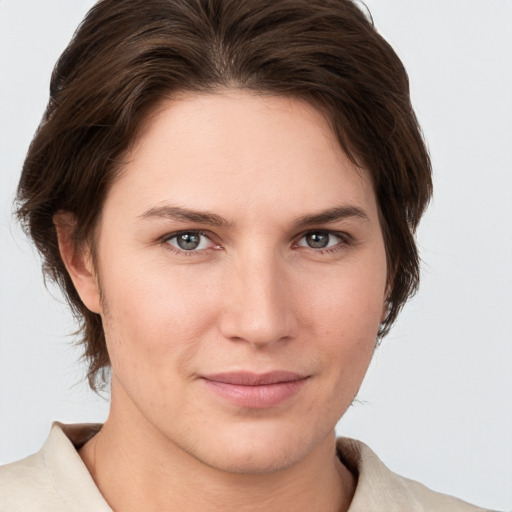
column 256, row 397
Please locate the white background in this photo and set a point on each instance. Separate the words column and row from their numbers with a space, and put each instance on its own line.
column 437, row 402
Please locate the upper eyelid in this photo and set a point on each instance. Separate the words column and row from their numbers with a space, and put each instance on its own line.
column 345, row 241
column 342, row 235
column 173, row 234
column 207, row 234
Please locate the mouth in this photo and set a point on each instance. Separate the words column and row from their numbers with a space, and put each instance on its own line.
column 253, row 390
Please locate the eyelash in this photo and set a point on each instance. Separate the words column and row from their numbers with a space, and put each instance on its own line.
column 345, row 240
column 182, row 252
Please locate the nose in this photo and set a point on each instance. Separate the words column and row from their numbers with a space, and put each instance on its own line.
column 258, row 302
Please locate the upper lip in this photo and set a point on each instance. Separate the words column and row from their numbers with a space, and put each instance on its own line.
column 244, row 378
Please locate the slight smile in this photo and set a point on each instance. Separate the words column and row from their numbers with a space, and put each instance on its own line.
column 256, row 391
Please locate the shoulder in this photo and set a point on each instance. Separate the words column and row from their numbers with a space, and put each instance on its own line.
column 23, row 483
column 378, row 487
column 53, row 479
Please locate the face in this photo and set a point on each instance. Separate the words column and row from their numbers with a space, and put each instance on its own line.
column 243, row 276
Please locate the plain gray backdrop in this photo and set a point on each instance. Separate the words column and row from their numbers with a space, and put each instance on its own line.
column 437, row 402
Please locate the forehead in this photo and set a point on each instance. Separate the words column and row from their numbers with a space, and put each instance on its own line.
column 239, row 150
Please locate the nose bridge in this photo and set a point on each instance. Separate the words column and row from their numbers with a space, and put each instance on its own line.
column 258, row 308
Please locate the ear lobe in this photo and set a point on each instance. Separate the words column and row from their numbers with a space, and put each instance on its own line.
column 78, row 262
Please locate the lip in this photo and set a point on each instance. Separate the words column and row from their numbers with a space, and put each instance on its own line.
column 253, row 390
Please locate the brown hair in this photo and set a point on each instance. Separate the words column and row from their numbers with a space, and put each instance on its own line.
column 128, row 55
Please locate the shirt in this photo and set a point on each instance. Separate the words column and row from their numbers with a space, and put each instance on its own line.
column 56, row 480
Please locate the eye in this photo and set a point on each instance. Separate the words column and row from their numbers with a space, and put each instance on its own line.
column 320, row 240
column 189, row 241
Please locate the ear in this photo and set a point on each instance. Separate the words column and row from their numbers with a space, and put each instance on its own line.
column 78, row 262
column 385, row 306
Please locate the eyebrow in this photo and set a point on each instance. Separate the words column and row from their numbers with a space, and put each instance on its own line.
column 203, row 217
column 184, row 214
column 332, row 215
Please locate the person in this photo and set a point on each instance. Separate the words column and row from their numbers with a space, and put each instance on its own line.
column 228, row 193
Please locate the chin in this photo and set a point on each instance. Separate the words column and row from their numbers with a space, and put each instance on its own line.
column 256, row 452
column 250, row 461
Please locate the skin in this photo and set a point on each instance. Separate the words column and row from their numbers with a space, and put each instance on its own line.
column 254, row 296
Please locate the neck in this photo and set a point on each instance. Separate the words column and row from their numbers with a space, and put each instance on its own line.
column 136, row 468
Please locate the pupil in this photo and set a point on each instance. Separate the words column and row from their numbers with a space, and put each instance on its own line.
column 317, row 240
column 188, row 241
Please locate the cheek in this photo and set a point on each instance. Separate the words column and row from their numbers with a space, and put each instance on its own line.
column 347, row 302
column 154, row 317
column 346, row 309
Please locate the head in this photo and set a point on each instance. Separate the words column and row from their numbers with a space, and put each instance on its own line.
column 128, row 59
